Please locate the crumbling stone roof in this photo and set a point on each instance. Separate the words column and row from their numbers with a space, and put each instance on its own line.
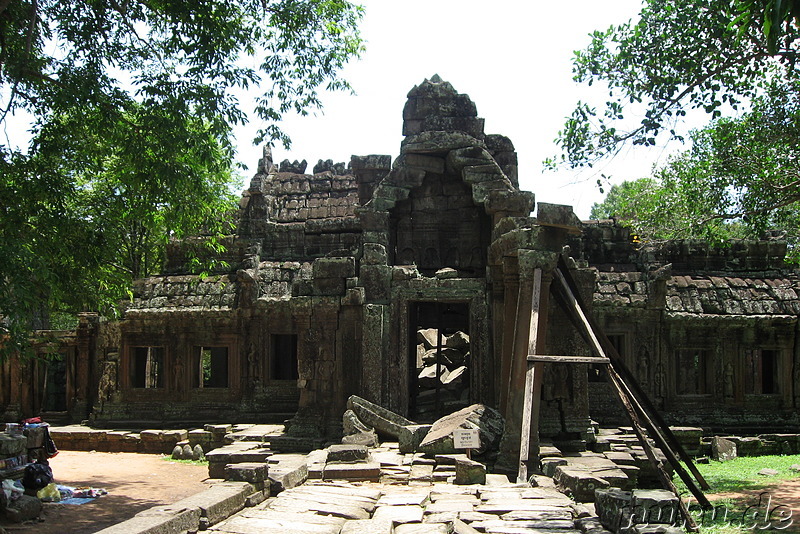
column 276, row 279
column 758, row 294
column 620, row 289
column 733, row 295
column 182, row 293
column 300, row 197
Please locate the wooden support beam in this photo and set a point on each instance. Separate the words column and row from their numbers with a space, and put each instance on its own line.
column 633, row 385
column 566, row 359
column 533, row 381
column 633, row 408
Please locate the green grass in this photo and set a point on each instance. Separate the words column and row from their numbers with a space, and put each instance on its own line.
column 742, row 473
column 189, row 462
column 738, row 516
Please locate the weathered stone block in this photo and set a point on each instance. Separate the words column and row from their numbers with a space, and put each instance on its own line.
column 655, row 506
column 355, row 471
column 385, row 422
column 579, row 483
column 254, row 473
column 159, row 520
column 469, row 471
column 12, row 445
column 347, row 453
column 722, row 449
column 365, row 439
column 488, row 421
column 24, row 508
column 411, row 436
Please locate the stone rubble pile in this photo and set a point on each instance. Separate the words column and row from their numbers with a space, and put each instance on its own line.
column 444, row 368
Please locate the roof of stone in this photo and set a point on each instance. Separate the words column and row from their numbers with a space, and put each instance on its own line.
column 193, row 293
column 302, row 197
column 184, row 293
column 275, row 279
column 762, row 294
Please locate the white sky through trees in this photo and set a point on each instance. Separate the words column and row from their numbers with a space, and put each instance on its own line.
column 513, row 58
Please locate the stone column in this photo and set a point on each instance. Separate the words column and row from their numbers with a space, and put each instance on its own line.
column 529, row 262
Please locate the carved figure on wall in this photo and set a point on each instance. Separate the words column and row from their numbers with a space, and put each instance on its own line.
column 728, row 383
column 644, row 368
column 659, row 379
column 252, row 364
column 178, row 375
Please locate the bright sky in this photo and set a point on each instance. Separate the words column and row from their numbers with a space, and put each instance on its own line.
column 513, row 59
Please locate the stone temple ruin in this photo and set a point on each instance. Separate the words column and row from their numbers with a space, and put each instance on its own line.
column 400, row 281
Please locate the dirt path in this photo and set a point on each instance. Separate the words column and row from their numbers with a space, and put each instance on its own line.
column 782, row 496
column 134, row 482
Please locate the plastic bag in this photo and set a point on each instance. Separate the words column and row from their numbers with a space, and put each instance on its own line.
column 37, row 476
column 49, row 493
column 11, row 490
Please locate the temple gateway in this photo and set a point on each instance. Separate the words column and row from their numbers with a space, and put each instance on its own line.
column 408, row 283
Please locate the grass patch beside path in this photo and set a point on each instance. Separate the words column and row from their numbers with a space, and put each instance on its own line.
column 189, row 462
column 742, row 473
column 740, row 515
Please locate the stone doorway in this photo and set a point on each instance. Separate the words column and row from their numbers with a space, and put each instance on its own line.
column 55, row 385
column 439, row 359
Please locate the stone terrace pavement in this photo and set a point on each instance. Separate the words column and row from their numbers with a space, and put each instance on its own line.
column 390, row 492
column 376, row 508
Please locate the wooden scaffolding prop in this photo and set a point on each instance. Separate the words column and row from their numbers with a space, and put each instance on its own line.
column 646, row 421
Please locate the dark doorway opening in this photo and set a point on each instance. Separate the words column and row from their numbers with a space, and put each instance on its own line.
column 55, row 388
column 439, row 359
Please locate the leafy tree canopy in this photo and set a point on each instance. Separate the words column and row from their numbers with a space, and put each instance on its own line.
column 680, row 55
column 741, row 178
column 132, row 110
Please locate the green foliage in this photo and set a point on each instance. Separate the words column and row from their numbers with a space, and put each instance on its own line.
column 133, row 108
column 680, row 55
column 741, row 178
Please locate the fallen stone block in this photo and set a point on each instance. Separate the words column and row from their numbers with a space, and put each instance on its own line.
column 300, row 505
column 613, row 507
column 256, row 498
column 218, row 502
column 722, row 450
column 488, row 421
column 254, row 473
column 469, row 471
column 366, row 439
column 351, row 424
column 24, row 508
column 347, row 453
column 421, row 528
column 460, row 527
column 159, row 520
column 399, row 514
column 288, row 471
column 385, row 422
column 655, row 506
column 579, row 483
column 499, row 525
column 273, row 521
column 367, row 526
column 689, row 437
column 411, row 436
column 12, row 445
column 356, row 471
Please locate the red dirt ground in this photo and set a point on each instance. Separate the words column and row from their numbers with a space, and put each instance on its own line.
column 784, row 494
column 134, row 483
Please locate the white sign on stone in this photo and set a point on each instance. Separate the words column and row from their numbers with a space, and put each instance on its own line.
column 466, row 438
